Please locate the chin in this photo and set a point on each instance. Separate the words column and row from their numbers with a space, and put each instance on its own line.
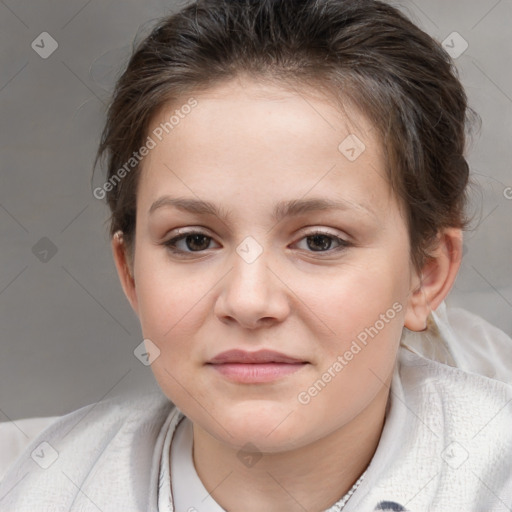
column 271, row 428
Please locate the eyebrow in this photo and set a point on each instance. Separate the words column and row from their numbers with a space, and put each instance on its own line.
column 281, row 210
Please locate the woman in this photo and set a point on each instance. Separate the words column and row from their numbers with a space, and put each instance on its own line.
column 287, row 181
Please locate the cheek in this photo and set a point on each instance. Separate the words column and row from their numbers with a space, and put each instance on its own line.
column 170, row 296
column 172, row 307
column 352, row 299
column 360, row 315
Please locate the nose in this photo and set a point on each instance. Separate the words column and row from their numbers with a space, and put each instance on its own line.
column 253, row 295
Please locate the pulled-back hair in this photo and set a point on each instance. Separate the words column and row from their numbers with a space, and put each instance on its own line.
column 359, row 52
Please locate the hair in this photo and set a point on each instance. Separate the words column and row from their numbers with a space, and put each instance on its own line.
column 360, row 52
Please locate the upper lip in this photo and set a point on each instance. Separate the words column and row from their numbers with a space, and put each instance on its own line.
column 261, row 356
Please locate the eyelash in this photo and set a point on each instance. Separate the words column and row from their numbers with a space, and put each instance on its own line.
column 171, row 244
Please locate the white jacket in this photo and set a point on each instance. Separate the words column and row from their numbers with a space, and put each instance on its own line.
column 446, row 443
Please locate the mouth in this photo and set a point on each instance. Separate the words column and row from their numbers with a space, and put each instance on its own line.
column 255, row 367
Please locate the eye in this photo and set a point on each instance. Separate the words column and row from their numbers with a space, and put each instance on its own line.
column 191, row 242
column 320, row 241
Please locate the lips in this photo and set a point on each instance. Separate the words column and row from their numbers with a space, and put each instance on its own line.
column 263, row 366
column 259, row 357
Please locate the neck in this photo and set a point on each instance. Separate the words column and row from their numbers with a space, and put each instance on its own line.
column 312, row 477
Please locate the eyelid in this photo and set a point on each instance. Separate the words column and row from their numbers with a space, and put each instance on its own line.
column 314, row 230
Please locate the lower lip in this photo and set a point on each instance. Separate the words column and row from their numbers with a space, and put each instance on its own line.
column 255, row 373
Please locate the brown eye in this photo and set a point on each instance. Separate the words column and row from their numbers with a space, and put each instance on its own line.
column 321, row 242
column 197, row 242
column 186, row 243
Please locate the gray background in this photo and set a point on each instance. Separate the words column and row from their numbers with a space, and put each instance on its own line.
column 67, row 332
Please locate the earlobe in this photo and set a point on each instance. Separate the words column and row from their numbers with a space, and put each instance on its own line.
column 124, row 269
column 436, row 280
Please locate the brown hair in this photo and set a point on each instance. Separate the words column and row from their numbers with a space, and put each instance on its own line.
column 361, row 52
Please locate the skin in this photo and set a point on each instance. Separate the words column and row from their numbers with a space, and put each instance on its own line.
column 245, row 147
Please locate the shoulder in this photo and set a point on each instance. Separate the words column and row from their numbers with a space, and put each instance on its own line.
column 16, row 435
column 116, row 436
column 446, row 442
column 131, row 410
column 456, row 436
column 419, row 375
column 455, row 402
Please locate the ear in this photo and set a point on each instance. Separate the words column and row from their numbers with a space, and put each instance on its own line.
column 436, row 280
column 124, row 269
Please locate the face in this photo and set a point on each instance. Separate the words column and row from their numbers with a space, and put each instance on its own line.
column 301, row 249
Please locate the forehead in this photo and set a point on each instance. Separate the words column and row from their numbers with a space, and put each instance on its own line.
column 275, row 106
column 252, row 133
column 265, row 106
